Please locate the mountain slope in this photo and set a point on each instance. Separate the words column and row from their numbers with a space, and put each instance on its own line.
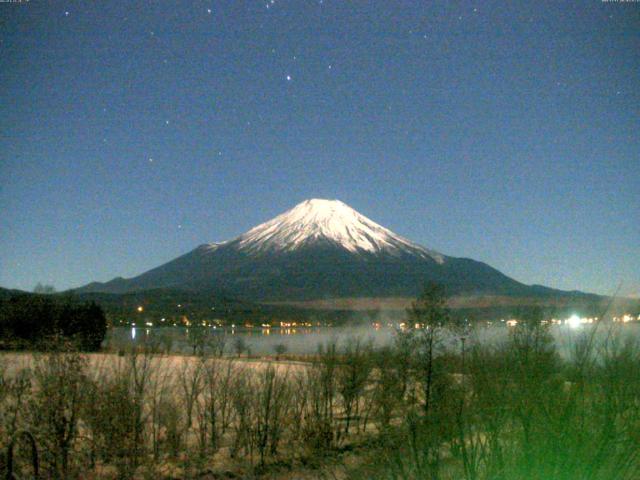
column 319, row 249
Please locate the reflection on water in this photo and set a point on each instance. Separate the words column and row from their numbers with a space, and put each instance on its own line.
column 300, row 340
column 306, row 340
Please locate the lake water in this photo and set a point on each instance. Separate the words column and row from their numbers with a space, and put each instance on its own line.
column 259, row 341
column 307, row 340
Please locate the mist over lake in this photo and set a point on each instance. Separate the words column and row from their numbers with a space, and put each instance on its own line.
column 302, row 341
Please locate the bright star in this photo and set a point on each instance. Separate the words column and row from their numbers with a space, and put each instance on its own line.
column 288, row 78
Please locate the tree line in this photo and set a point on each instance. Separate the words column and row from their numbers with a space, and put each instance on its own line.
column 33, row 320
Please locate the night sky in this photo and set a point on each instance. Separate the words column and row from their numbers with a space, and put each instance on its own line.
column 507, row 132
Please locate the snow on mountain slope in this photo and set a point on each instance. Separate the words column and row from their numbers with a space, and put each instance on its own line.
column 212, row 247
column 316, row 221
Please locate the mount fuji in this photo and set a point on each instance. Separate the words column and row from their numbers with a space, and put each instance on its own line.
column 320, row 249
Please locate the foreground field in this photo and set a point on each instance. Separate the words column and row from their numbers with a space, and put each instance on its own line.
column 420, row 408
column 144, row 414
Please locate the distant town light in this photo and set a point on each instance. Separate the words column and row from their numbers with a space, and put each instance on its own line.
column 574, row 321
column 140, row 308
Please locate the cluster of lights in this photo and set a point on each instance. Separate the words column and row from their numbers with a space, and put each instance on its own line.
column 626, row 318
column 296, row 324
column 574, row 321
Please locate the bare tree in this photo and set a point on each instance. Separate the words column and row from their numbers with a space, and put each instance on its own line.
column 240, row 346
column 279, row 349
column 352, row 377
column 59, row 380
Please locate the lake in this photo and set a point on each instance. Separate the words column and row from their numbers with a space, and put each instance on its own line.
column 307, row 340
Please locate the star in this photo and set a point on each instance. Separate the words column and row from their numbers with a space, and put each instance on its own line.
column 150, row 160
column 288, row 78
column 166, row 122
column 209, row 11
column 66, row 14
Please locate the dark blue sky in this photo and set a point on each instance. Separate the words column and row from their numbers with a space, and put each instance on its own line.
column 508, row 132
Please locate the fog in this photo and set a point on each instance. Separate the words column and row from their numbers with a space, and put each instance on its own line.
column 307, row 340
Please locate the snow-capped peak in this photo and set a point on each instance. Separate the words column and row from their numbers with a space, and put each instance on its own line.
column 328, row 220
